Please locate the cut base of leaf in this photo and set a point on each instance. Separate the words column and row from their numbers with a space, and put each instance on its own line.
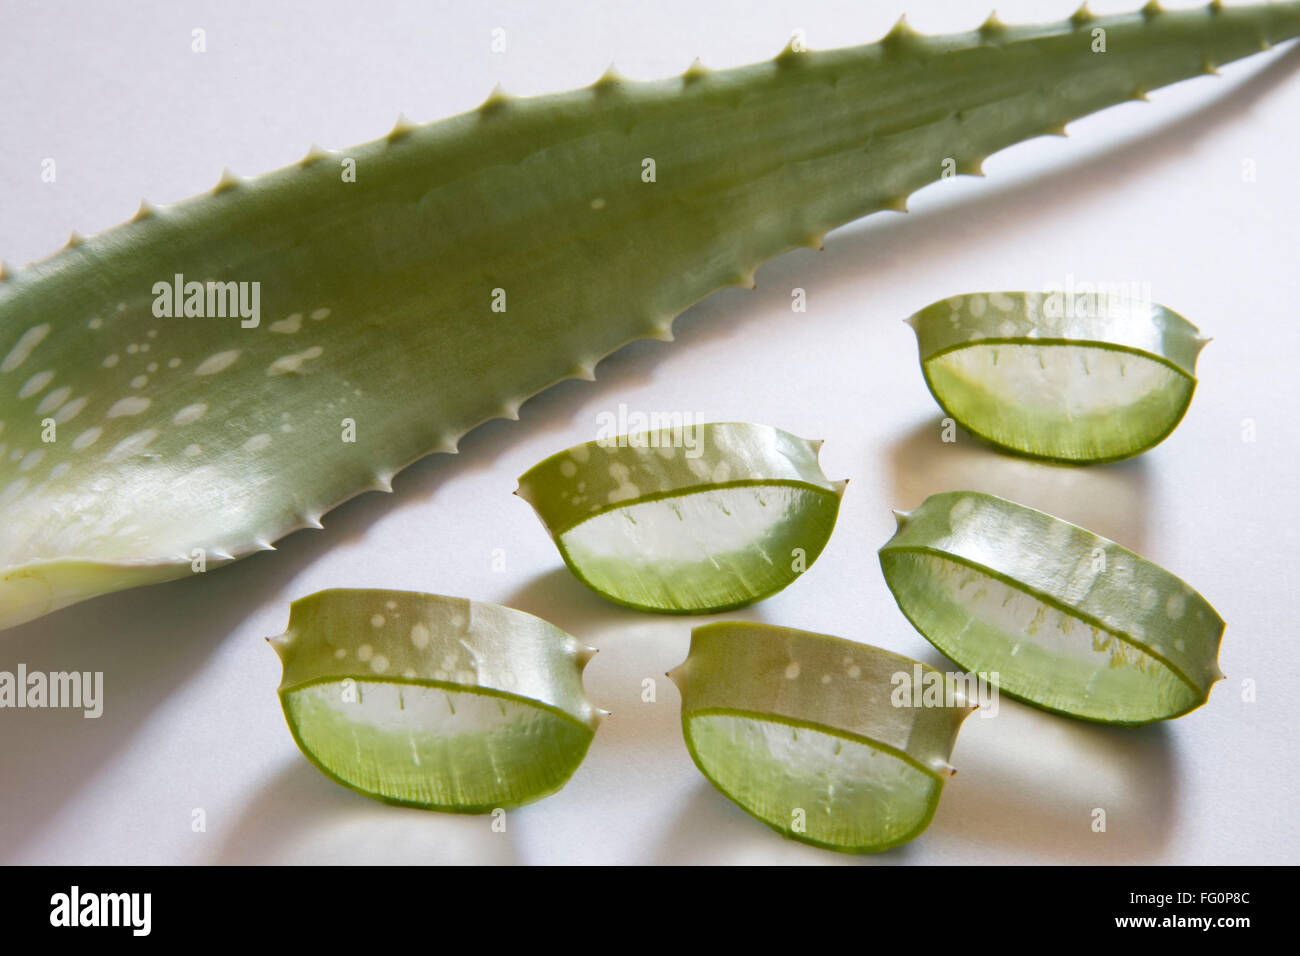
column 435, row 747
column 845, row 792
column 1074, row 402
column 1055, row 661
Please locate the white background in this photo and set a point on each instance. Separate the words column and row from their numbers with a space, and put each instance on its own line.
column 1151, row 193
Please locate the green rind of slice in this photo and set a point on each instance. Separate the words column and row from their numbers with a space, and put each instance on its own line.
column 688, row 520
column 1051, row 613
column 810, row 734
column 434, row 702
column 1062, row 376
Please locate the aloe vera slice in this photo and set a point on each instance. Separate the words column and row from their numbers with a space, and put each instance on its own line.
column 691, row 521
column 1055, row 615
column 434, row 702
column 1062, row 376
column 802, row 731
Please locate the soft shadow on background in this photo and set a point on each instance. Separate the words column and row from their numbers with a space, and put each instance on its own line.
column 1030, row 783
column 302, row 817
column 1109, row 500
column 149, row 641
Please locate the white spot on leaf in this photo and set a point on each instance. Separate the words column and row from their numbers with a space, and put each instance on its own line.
column 35, row 384
column 190, row 413
column 87, row 438
column 133, row 405
column 289, row 325
column 287, row 364
column 217, row 363
column 53, row 400
column 23, row 347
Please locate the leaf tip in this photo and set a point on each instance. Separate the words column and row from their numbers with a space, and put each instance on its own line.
column 901, row 518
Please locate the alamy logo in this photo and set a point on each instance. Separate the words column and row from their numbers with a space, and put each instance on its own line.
column 925, row 687
column 79, row 690
column 1073, row 299
column 211, row 299
column 75, row 908
column 633, row 429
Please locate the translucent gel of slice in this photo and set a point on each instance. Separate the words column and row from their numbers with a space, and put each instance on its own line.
column 432, row 701
column 844, row 792
column 1071, row 377
column 1039, row 652
column 702, row 551
column 1071, row 402
column 687, row 520
column 435, row 747
column 1050, row 612
column 817, row 736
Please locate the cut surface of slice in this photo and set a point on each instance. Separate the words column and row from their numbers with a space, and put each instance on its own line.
column 434, row 702
column 1051, row 613
column 1063, row 377
column 809, row 733
column 709, row 518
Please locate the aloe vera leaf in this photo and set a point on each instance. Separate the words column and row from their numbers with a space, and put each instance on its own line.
column 434, row 702
column 187, row 439
column 1046, row 376
column 687, row 521
column 1056, row 616
column 807, row 733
